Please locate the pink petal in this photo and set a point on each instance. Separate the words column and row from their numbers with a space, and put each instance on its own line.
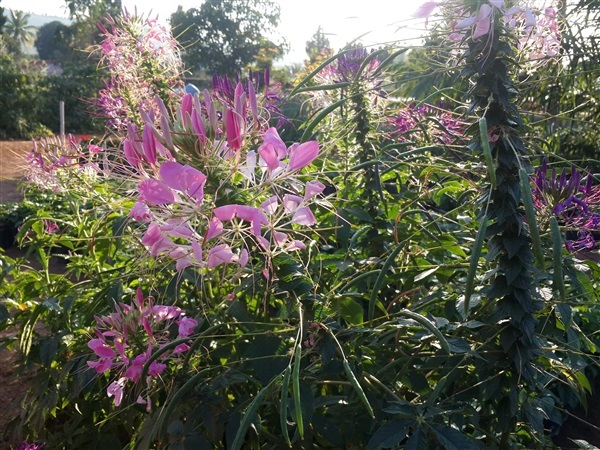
column 270, row 205
column 296, row 245
column 155, row 192
column 215, row 228
column 291, row 202
column 186, row 105
column 197, row 249
column 529, row 18
column 152, row 235
column 226, row 212
column 252, row 99
column 234, row 137
column 116, row 389
column 198, row 125
column 172, row 174
column 194, row 182
column 425, row 10
column 303, row 155
column 271, row 137
column 279, row 237
column 156, row 368
column 219, row 255
column 100, row 366
column 131, row 155
column 186, row 327
column 181, row 348
column 304, row 216
column 465, row 23
column 182, row 263
column 101, row 348
column 313, row 188
column 243, row 258
column 140, row 212
column 139, row 297
column 149, row 144
column 269, row 155
column 483, row 23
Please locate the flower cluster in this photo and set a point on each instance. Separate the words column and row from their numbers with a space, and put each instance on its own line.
column 572, row 202
column 207, row 195
column 533, row 21
column 53, row 160
column 27, row 446
column 347, row 69
column 143, row 60
column 428, row 123
column 224, row 91
column 126, row 339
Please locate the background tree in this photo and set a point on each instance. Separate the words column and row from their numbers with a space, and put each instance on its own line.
column 224, row 36
column 82, row 10
column 2, row 19
column 17, row 31
column 54, row 41
column 87, row 14
column 318, row 46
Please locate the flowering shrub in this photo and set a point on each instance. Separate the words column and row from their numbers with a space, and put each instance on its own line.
column 54, row 161
column 532, row 22
column 126, row 339
column 402, row 297
column 209, row 199
column 143, row 61
column 428, row 123
column 572, row 201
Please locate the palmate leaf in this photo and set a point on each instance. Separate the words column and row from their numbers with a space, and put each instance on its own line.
column 453, row 439
column 389, row 435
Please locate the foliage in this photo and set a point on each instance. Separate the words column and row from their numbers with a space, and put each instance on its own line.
column 84, row 10
column 565, row 96
column 54, row 42
column 18, row 31
column 393, row 277
column 77, row 84
column 19, row 87
column 3, row 19
column 318, row 47
column 226, row 36
column 25, row 118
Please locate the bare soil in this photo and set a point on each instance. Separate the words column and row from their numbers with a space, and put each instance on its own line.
column 12, row 168
column 12, row 385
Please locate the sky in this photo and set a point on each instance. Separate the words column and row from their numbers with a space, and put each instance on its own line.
column 341, row 20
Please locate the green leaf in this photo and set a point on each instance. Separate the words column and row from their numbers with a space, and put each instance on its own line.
column 249, row 416
column 417, row 440
column 425, row 274
column 350, row 310
column 390, row 435
column 452, row 439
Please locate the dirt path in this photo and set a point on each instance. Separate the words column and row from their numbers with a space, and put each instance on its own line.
column 12, row 386
column 12, row 168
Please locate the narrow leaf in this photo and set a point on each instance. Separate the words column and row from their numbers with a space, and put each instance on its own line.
column 487, row 152
column 474, row 262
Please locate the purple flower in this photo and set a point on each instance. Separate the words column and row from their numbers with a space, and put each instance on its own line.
column 27, row 446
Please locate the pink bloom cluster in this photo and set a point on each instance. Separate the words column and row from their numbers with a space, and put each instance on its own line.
column 347, row 68
column 534, row 22
column 423, row 122
column 143, row 60
column 125, row 340
column 206, row 198
column 53, row 160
